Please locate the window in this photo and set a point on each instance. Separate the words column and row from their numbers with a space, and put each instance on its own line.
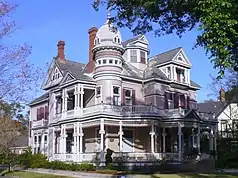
column 169, row 72
column 142, row 57
column 45, row 138
column 116, row 95
column 128, row 97
column 117, row 40
column 35, row 139
column 99, row 62
column 98, row 94
column 40, row 113
column 58, row 104
column 116, row 61
column 56, row 75
column 104, row 61
column 180, row 75
column 110, row 61
column 180, row 59
column 133, row 55
column 70, row 101
column 96, row 41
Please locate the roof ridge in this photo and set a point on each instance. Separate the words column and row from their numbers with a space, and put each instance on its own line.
column 166, row 52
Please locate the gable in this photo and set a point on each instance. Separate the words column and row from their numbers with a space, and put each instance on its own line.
column 229, row 112
column 182, row 58
column 192, row 115
column 54, row 76
column 67, row 78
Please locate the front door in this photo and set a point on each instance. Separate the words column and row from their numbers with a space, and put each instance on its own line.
column 127, row 141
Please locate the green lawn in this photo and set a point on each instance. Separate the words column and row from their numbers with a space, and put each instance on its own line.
column 22, row 174
column 37, row 175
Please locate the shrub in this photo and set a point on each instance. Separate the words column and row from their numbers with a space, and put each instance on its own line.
column 86, row 167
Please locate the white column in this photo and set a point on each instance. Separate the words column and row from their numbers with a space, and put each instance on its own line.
column 81, row 138
column 53, row 136
column 180, row 133
column 75, row 138
column 198, row 138
column 211, row 146
column 164, row 141
column 152, row 140
column 81, row 96
column 102, row 132
column 120, row 133
column 63, row 141
column 37, row 142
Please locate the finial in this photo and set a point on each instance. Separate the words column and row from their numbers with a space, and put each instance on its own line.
column 108, row 16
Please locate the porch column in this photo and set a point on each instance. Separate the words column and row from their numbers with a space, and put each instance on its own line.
column 180, row 133
column 53, row 136
column 156, row 140
column 215, row 139
column 211, row 137
column 75, row 138
column 198, row 138
column 152, row 139
column 63, row 141
column 81, row 134
column 164, row 141
column 37, row 142
column 120, row 133
column 81, row 96
column 102, row 132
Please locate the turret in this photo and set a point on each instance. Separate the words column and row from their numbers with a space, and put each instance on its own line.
column 108, row 53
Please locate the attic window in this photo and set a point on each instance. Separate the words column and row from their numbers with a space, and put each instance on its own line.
column 180, row 59
column 56, row 74
column 117, row 40
column 96, row 41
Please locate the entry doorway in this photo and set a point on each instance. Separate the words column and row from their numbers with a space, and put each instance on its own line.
column 128, row 141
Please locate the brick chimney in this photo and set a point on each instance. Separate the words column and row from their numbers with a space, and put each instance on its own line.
column 92, row 34
column 222, row 95
column 60, row 46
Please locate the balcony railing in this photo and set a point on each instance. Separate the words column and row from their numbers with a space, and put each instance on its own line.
column 132, row 110
column 39, row 123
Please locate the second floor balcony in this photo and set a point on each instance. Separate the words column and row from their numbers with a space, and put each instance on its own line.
column 126, row 111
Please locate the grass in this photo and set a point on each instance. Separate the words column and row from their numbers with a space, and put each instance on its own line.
column 22, row 174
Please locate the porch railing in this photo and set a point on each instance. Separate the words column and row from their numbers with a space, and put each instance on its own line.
column 132, row 110
column 127, row 157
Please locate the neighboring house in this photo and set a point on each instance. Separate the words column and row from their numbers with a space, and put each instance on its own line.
column 20, row 144
column 226, row 113
column 138, row 107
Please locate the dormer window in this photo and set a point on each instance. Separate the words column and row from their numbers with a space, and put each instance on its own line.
column 133, row 55
column 117, row 40
column 142, row 57
column 96, row 41
column 180, row 76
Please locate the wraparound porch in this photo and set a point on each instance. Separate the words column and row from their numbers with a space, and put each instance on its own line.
column 136, row 140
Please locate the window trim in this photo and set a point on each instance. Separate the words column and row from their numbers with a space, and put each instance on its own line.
column 118, row 95
column 131, row 97
column 98, row 99
column 134, row 56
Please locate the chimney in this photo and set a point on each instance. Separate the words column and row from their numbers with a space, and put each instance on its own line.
column 222, row 95
column 60, row 46
column 92, row 34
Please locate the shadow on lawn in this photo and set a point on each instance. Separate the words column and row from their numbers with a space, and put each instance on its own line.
column 195, row 175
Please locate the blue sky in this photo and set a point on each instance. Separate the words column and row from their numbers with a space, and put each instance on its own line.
column 43, row 23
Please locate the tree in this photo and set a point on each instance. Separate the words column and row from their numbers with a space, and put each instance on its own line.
column 9, row 132
column 227, row 83
column 17, row 75
column 217, row 21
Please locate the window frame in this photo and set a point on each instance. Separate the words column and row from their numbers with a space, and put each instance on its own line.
column 144, row 59
column 98, row 99
column 131, row 55
column 130, row 98
column 114, row 95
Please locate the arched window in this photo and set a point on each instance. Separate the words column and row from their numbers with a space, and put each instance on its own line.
column 96, row 41
column 117, row 40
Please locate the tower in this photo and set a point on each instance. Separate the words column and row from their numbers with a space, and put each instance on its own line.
column 108, row 53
